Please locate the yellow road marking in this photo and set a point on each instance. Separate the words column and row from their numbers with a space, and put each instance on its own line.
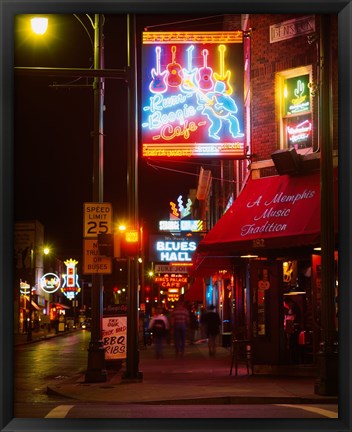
column 322, row 411
column 59, row 412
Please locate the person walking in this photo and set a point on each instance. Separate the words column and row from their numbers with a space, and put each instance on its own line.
column 212, row 326
column 159, row 325
column 292, row 327
column 180, row 321
column 193, row 325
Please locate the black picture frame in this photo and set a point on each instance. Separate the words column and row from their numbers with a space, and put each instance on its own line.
column 9, row 8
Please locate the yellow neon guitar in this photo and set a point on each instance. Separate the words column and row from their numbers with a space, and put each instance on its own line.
column 224, row 77
column 211, row 103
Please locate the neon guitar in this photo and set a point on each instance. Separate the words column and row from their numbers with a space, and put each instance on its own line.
column 189, row 74
column 158, row 83
column 204, row 76
column 174, row 78
column 225, row 78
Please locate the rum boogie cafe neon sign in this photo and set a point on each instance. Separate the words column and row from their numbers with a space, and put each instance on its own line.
column 192, row 95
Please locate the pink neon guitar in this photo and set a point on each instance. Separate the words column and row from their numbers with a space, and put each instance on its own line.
column 174, row 78
column 158, row 83
column 224, row 77
column 204, row 76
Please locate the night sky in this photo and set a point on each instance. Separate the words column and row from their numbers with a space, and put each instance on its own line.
column 53, row 142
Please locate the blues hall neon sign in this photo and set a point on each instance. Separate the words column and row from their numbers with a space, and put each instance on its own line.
column 192, row 94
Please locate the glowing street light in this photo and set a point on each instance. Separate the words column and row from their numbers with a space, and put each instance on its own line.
column 96, row 362
column 39, row 25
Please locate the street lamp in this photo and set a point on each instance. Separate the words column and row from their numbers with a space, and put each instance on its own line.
column 96, row 359
column 96, row 371
column 39, row 25
column 32, row 279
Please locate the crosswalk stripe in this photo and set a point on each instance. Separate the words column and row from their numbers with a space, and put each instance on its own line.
column 59, row 412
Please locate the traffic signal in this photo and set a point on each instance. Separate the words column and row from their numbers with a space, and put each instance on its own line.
column 126, row 243
column 130, row 243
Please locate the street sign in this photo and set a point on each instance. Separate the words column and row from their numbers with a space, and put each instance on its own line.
column 97, row 219
column 93, row 262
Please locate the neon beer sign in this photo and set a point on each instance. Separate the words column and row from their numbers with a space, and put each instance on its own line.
column 297, row 95
column 192, row 94
column 299, row 133
column 50, row 282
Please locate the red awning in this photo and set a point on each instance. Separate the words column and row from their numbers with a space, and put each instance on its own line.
column 195, row 292
column 59, row 306
column 270, row 213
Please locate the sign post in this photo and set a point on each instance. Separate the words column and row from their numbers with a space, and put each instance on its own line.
column 97, row 219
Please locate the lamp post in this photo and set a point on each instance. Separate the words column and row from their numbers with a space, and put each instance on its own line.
column 32, row 279
column 132, row 372
column 96, row 360
column 96, row 371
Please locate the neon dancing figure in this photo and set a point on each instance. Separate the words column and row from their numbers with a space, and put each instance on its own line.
column 220, row 107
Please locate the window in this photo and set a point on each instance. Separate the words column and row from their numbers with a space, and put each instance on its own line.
column 295, row 109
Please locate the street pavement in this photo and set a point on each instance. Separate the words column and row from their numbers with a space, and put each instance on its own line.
column 194, row 379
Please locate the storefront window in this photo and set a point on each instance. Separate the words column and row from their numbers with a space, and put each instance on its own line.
column 295, row 108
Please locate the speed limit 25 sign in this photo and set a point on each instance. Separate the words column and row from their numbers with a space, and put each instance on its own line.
column 97, row 219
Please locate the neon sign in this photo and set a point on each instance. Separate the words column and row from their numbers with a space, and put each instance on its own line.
column 50, row 282
column 172, row 249
column 297, row 97
column 175, row 225
column 172, row 281
column 299, row 132
column 180, row 211
column 70, row 287
column 176, row 222
column 192, row 94
column 24, row 288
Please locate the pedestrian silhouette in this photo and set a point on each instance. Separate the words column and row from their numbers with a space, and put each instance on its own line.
column 212, row 326
column 158, row 325
column 180, row 321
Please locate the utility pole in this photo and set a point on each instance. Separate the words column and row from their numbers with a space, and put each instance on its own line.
column 132, row 361
column 96, row 371
column 327, row 383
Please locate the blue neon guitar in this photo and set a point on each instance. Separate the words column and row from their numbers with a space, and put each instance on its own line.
column 189, row 74
column 158, row 83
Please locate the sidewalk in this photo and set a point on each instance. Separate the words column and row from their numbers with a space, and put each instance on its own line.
column 194, row 379
column 37, row 336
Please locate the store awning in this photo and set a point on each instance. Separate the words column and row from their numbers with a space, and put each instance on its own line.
column 195, row 292
column 276, row 212
column 34, row 304
column 59, row 306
